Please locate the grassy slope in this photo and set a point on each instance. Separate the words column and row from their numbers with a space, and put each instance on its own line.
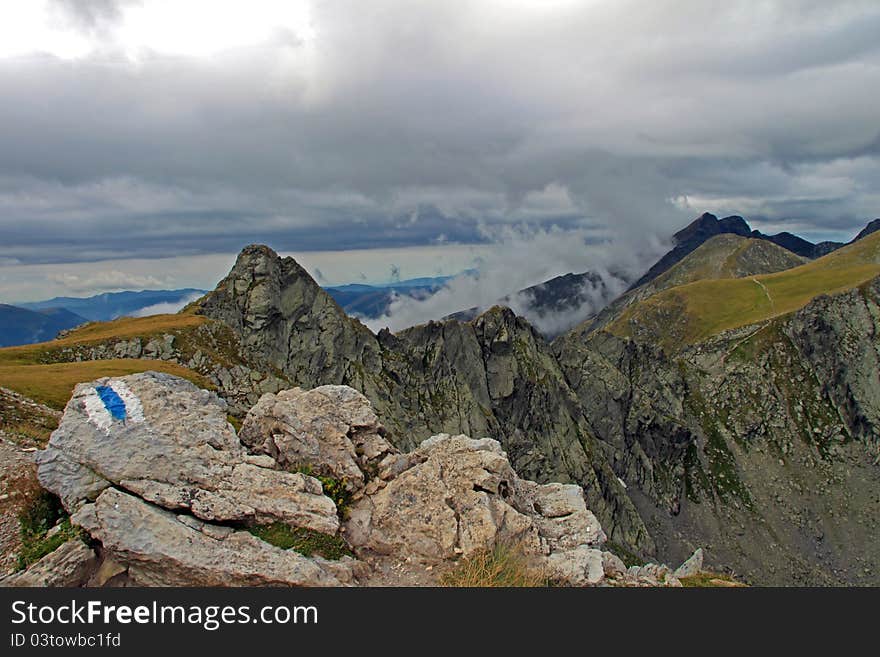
column 725, row 256
column 25, row 369
column 692, row 312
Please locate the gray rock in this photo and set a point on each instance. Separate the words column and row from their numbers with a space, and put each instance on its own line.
column 176, row 450
column 692, row 566
column 161, row 549
column 333, row 430
column 582, row 566
column 70, row 564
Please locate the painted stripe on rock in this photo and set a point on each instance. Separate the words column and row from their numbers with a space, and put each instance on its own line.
column 113, row 402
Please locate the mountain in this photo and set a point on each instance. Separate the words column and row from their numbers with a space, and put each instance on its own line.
column 748, row 428
column 560, row 303
column 693, row 312
column 373, row 301
column 708, row 225
column 110, row 305
column 23, row 326
column 726, row 255
column 872, row 227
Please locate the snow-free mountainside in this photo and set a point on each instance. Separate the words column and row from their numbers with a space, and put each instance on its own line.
column 729, row 400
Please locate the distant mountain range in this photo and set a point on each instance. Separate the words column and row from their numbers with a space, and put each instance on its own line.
column 110, row 305
column 372, row 301
column 23, row 326
column 563, row 302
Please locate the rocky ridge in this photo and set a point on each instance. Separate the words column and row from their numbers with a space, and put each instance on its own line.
column 167, row 495
column 759, row 443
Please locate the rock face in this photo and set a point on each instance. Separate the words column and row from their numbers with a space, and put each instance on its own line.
column 494, row 377
column 174, row 449
column 152, row 472
column 331, row 429
column 457, row 496
column 761, row 442
column 166, row 486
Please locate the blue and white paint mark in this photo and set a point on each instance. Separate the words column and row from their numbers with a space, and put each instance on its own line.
column 114, row 402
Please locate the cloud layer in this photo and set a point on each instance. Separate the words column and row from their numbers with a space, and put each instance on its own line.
column 392, row 123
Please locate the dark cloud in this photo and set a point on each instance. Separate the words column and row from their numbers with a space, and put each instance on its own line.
column 92, row 16
column 404, row 123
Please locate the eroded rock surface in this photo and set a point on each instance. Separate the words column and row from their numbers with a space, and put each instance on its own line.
column 167, row 493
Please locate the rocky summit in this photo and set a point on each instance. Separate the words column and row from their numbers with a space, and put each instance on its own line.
column 164, row 493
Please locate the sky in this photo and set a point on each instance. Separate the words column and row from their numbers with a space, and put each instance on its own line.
column 144, row 143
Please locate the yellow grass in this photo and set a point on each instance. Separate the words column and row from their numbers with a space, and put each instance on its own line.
column 707, row 307
column 97, row 332
column 53, row 384
column 505, row 566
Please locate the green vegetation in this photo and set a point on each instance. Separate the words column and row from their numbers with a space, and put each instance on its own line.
column 305, row 541
column 335, row 489
column 722, row 476
column 235, row 422
column 690, row 313
column 710, row 580
column 503, row 566
column 39, row 511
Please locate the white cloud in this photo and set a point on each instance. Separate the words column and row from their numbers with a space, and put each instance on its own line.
column 107, row 281
column 165, row 308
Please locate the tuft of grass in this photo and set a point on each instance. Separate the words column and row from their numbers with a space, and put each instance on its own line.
column 235, row 422
column 335, row 489
column 305, row 541
column 502, row 566
column 28, row 433
column 39, row 511
column 53, row 384
column 710, row 580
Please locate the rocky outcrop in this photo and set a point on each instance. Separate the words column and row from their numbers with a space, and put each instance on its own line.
column 174, row 448
column 494, row 377
column 160, row 548
column 332, row 430
column 70, row 565
column 457, row 496
column 168, row 495
column 761, row 442
column 211, row 349
column 150, row 467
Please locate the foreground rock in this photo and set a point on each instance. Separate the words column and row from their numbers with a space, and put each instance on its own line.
column 166, row 491
column 175, row 449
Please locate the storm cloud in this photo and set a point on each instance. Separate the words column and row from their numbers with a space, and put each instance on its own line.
column 393, row 124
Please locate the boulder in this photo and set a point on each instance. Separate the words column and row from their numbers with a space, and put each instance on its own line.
column 160, row 548
column 692, row 566
column 455, row 496
column 169, row 442
column 582, row 566
column 332, row 430
column 70, row 564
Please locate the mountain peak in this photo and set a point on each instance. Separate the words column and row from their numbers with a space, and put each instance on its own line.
column 708, row 225
column 872, row 227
